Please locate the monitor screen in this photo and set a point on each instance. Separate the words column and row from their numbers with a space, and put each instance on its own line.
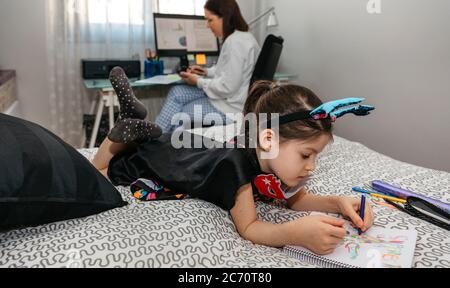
column 180, row 34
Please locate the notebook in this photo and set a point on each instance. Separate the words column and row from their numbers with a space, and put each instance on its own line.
column 376, row 248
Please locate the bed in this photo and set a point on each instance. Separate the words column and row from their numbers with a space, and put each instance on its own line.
column 194, row 233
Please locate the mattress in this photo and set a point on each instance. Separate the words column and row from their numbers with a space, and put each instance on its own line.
column 194, row 233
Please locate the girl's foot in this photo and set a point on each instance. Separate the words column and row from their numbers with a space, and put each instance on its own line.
column 134, row 130
column 130, row 106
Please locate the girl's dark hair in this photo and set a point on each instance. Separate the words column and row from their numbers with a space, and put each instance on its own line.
column 268, row 97
column 229, row 11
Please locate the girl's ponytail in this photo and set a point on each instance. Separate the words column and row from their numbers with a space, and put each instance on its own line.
column 257, row 91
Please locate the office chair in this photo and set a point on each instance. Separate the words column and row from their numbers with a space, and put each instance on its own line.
column 268, row 59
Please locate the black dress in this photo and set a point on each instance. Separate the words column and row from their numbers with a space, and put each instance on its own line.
column 213, row 175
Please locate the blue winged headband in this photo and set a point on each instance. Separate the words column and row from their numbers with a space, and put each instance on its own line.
column 330, row 110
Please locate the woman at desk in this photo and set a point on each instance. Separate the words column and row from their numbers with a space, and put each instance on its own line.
column 223, row 88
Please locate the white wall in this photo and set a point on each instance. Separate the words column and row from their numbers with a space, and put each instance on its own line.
column 249, row 8
column 398, row 60
column 23, row 48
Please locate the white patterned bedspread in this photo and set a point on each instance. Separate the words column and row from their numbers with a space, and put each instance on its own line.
column 194, row 233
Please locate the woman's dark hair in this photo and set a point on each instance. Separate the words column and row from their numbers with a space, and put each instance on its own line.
column 268, row 97
column 229, row 11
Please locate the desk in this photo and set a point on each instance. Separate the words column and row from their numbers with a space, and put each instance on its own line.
column 107, row 98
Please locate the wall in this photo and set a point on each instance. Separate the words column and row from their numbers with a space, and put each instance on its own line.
column 398, row 60
column 23, row 48
column 249, row 8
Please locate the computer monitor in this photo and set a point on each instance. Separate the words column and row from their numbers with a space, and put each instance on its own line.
column 178, row 35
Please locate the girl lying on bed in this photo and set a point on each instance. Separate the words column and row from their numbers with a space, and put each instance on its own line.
column 234, row 179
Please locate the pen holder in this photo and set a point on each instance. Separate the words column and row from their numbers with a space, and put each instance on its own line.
column 153, row 68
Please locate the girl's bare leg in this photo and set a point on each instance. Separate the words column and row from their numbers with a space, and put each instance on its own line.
column 106, row 152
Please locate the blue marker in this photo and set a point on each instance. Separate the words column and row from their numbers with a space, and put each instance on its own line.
column 361, row 211
column 361, row 190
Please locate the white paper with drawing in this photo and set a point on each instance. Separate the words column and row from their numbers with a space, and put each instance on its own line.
column 378, row 247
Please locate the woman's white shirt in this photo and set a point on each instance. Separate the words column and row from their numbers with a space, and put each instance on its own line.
column 227, row 83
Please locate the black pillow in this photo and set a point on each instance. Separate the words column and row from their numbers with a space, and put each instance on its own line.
column 44, row 180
